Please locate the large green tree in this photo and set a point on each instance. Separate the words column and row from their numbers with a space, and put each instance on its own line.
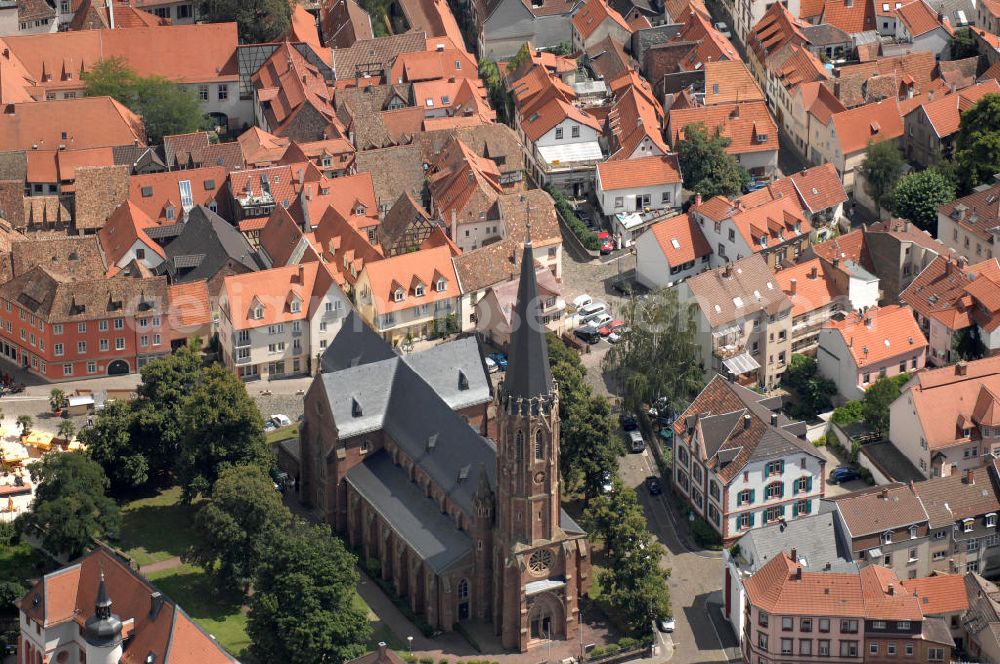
column 658, row 358
column 706, row 166
column 235, row 526
column 112, row 442
column 977, row 146
column 165, row 107
column 258, row 21
column 875, row 404
column 963, row 45
column 919, row 194
column 881, row 169
column 302, row 609
column 221, row 427
column 70, row 506
column 814, row 391
column 633, row 580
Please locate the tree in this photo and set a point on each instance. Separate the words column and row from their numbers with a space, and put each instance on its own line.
column 112, row 443
column 881, row 168
column 708, row 169
column 522, row 56
column 57, row 399
column 70, row 506
column 875, row 404
column 302, row 609
column 165, row 107
column 244, row 514
column 963, row 45
column 967, row 343
column 977, row 146
column 25, row 422
column 259, row 21
column 658, row 358
column 919, row 194
column 814, row 391
column 221, row 427
column 633, row 580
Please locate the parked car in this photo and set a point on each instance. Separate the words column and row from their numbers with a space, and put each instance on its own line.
column 653, row 486
column 724, row 30
column 587, row 333
column 616, row 335
column 628, row 421
column 600, row 320
column 580, row 301
column 666, row 625
column 500, row 359
column 491, row 365
column 842, row 474
column 276, row 422
column 592, row 310
column 754, row 185
column 635, row 441
column 607, row 244
column 605, row 330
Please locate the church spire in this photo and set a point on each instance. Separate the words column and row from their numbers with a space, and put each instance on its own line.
column 528, row 374
column 104, row 628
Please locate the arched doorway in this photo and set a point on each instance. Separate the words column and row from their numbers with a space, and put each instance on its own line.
column 546, row 619
column 117, row 368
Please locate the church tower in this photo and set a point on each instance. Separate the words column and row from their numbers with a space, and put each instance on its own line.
column 540, row 564
column 103, row 630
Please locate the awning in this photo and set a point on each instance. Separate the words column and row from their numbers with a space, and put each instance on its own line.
column 40, row 439
column 741, row 364
column 536, row 587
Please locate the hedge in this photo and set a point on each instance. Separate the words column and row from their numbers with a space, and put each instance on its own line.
column 588, row 237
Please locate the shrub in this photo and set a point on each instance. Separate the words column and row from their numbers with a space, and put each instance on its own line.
column 597, row 652
column 705, row 535
column 443, row 661
column 426, row 660
column 820, row 442
column 628, row 643
column 409, row 658
column 586, row 236
column 849, row 413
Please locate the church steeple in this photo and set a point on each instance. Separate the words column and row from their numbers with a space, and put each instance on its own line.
column 104, row 628
column 528, row 374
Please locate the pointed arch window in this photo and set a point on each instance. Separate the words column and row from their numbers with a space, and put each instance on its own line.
column 520, row 446
column 539, row 445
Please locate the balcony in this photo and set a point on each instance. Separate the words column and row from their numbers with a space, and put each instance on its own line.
column 240, row 341
column 242, row 359
column 727, row 351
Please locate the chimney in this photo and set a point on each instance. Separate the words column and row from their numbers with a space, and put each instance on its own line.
column 794, row 283
column 961, row 368
column 814, row 272
column 746, row 422
column 963, row 262
column 302, row 274
column 155, row 604
column 793, row 554
column 970, row 477
column 884, row 494
column 697, row 199
column 890, row 589
column 774, row 419
column 798, row 572
column 727, row 271
column 382, row 648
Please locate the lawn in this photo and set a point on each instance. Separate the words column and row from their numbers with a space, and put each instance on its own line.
column 157, row 528
column 222, row 617
column 284, row 433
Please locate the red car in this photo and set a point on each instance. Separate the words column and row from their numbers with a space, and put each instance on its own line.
column 607, row 244
column 613, row 326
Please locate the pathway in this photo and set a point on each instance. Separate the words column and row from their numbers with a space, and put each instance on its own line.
column 161, row 565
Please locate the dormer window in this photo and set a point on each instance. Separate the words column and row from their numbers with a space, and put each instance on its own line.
column 397, row 295
column 887, row 537
column 913, row 532
column 295, row 306
column 257, row 313
column 441, row 285
column 170, row 212
column 359, row 210
column 991, row 520
column 419, row 290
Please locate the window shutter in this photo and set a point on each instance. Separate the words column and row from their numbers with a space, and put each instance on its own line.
column 763, row 517
column 809, row 483
column 795, row 509
column 751, row 519
column 782, row 508
column 795, row 488
column 752, row 492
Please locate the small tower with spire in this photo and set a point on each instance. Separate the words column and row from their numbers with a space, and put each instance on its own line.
column 103, row 630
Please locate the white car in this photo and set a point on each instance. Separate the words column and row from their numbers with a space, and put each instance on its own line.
column 724, row 29
column 491, row 365
column 281, row 420
column 580, row 301
column 666, row 625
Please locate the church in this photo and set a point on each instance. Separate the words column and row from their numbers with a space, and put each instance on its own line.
column 449, row 487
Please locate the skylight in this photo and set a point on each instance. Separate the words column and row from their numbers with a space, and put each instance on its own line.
column 674, row 243
column 738, row 301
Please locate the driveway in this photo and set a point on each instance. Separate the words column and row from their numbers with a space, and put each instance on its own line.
column 832, row 461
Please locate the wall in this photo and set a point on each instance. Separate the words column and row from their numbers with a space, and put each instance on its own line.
column 906, row 433
column 796, row 466
column 609, row 203
column 967, row 244
column 645, row 38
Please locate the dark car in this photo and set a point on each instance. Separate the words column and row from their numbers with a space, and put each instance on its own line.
column 628, row 421
column 842, row 474
column 588, row 333
column 500, row 359
column 653, row 486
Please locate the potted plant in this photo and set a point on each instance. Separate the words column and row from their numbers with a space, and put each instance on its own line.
column 25, row 422
column 66, row 432
column 57, row 400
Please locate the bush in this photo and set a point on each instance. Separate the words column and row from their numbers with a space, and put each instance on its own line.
column 426, row 660
column 628, row 643
column 585, row 235
column 849, row 413
column 820, row 442
column 409, row 658
column 705, row 535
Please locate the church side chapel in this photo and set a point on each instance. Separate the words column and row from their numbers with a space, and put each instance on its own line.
column 395, row 456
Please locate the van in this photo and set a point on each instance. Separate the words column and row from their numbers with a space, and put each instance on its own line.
column 592, row 310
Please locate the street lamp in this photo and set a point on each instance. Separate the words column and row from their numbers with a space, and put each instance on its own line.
column 409, row 644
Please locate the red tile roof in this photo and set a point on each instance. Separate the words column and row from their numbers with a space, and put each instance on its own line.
column 815, row 288
column 275, row 290
column 710, row 44
column 783, row 587
column 681, row 240
column 944, row 113
column 849, row 246
column 636, row 117
column 919, row 18
column 948, row 293
column 594, row 13
column 405, row 271
column 189, row 306
column 883, row 333
column 940, row 594
column 126, row 225
column 871, row 123
column 748, row 125
column 164, row 190
column 88, row 122
column 978, row 213
column 944, row 397
column 819, row 101
column 776, row 29
column 641, row 172
column 729, row 81
column 851, row 16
